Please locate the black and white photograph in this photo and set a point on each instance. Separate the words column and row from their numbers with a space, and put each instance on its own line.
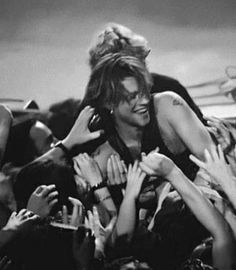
column 117, row 135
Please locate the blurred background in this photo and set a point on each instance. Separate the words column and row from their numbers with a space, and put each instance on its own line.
column 43, row 46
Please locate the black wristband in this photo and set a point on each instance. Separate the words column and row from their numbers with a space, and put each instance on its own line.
column 98, row 186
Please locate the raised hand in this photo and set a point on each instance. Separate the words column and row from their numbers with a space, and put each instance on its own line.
column 77, row 213
column 87, row 168
column 156, row 164
column 42, row 200
column 224, row 132
column 214, row 164
column 102, row 234
column 135, row 178
column 116, row 171
column 80, row 132
column 20, row 221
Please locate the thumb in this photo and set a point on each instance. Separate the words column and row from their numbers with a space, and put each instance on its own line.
column 96, row 134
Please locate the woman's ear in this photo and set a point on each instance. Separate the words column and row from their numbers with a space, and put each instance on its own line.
column 110, row 108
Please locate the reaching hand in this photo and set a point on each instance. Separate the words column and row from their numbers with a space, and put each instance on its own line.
column 87, row 168
column 101, row 233
column 42, row 200
column 157, row 164
column 135, row 178
column 80, row 132
column 116, row 171
column 77, row 213
column 224, row 132
column 214, row 165
column 20, row 221
column 70, row 221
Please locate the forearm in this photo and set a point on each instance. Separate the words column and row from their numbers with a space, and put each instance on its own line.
column 104, row 198
column 201, row 207
column 223, row 255
column 127, row 217
column 55, row 154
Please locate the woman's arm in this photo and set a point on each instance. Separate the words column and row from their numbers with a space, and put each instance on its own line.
column 182, row 122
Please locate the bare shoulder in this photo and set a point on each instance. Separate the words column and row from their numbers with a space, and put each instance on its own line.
column 168, row 99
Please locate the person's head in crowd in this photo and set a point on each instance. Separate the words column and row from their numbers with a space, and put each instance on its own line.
column 118, row 38
column 27, row 140
column 61, row 117
column 120, row 84
column 45, row 172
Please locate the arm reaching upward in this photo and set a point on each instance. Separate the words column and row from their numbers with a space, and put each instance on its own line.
column 202, row 208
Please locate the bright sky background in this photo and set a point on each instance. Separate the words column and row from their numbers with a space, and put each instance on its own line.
column 43, row 44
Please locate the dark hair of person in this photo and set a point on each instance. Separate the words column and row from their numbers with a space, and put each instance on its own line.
column 105, row 87
column 117, row 38
column 61, row 117
column 45, row 172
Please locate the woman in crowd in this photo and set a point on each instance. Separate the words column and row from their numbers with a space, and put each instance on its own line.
column 116, row 38
column 135, row 121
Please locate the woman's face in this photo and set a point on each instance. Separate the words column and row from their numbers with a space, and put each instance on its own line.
column 134, row 110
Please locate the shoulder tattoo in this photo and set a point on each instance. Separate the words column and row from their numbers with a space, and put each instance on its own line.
column 177, row 102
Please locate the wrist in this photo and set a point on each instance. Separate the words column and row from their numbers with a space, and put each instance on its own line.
column 64, row 149
column 173, row 173
column 66, row 142
column 229, row 185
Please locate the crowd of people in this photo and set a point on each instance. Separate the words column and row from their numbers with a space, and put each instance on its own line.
column 132, row 176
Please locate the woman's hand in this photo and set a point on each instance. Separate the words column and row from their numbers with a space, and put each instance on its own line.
column 42, row 200
column 80, row 132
